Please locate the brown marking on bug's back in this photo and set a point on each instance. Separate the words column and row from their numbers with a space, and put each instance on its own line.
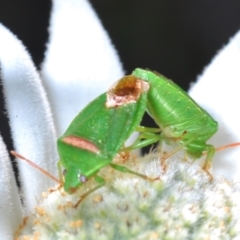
column 81, row 143
column 126, row 90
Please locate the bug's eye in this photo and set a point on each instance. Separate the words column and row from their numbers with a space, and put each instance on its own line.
column 82, row 178
column 64, row 172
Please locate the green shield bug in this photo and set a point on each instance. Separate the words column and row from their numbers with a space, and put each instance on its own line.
column 99, row 132
column 178, row 116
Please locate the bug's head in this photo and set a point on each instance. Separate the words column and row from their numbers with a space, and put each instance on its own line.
column 127, row 90
column 73, row 179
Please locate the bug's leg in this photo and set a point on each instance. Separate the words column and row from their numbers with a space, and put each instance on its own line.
column 61, row 181
column 148, row 129
column 143, row 140
column 150, row 136
column 163, row 159
column 100, row 182
column 207, row 162
column 127, row 170
column 210, row 151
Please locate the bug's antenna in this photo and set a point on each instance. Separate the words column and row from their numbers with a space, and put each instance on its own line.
column 237, row 144
column 17, row 155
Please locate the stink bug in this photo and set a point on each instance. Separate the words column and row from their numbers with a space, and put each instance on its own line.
column 99, row 131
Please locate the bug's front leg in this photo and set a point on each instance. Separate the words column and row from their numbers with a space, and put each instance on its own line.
column 127, row 170
column 101, row 182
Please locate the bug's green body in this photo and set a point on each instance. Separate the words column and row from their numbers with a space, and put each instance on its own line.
column 177, row 114
column 97, row 134
column 99, row 131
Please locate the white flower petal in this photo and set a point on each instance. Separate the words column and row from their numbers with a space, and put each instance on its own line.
column 10, row 204
column 218, row 91
column 29, row 114
column 80, row 61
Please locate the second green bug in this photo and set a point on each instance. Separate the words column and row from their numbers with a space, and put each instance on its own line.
column 178, row 116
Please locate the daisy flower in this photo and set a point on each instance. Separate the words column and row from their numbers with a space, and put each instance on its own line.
column 69, row 69
column 80, row 63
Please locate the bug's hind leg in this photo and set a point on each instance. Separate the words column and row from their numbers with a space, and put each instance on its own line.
column 208, row 160
column 210, row 151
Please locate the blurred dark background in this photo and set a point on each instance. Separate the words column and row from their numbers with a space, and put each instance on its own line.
column 176, row 38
